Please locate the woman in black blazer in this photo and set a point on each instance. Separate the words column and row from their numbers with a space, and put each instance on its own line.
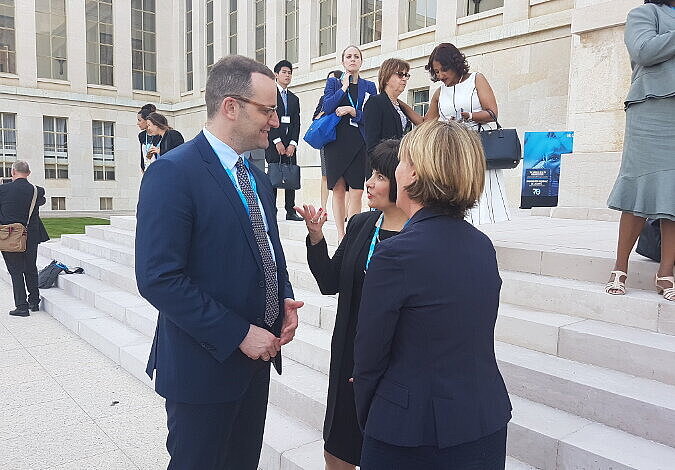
column 168, row 138
column 429, row 394
column 144, row 139
column 344, row 273
column 384, row 116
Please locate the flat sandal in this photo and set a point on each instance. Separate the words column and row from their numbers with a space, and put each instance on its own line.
column 617, row 285
column 667, row 292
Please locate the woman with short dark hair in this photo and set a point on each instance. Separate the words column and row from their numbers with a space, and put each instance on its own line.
column 168, row 138
column 344, row 273
column 428, row 392
column 645, row 186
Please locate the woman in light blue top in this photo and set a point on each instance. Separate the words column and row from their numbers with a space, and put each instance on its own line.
column 645, row 186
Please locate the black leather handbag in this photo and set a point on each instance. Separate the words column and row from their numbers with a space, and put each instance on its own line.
column 649, row 243
column 501, row 146
column 284, row 175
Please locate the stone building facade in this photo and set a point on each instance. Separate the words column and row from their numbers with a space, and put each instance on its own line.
column 73, row 74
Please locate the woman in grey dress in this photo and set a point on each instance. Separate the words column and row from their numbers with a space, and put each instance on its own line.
column 645, row 187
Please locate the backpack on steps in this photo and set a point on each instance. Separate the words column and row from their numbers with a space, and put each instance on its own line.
column 48, row 275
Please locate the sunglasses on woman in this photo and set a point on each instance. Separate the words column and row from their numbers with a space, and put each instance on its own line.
column 403, row 74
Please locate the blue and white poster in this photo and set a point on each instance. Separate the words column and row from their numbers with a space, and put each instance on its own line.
column 541, row 167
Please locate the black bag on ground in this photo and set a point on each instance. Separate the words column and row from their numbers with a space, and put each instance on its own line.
column 48, row 275
column 501, row 146
column 649, row 243
column 284, row 175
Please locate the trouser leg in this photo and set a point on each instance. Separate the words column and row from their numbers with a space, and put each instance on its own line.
column 15, row 263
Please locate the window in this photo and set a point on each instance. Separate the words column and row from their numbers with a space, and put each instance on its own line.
column 260, row 31
column 189, row 77
column 99, row 42
column 50, row 23
column 105, row 204
column 143, row 45
column 421, row 101
column 55, row 136
column 209, row 35
column 477, row 6
column 327, row 26
column 421, row 13
column 371, row 20
column 58, row 203
column 7, row 37
column 103, row 142
column 7, row 143
column 291, row 26
column 232, row 32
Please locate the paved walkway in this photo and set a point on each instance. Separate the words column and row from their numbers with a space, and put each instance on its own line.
column 63, row 405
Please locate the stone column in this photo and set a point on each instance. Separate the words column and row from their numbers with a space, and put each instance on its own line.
column 446, row 21
column 24, row 30
column 122, row 48
column 516, row 10
column 77, row 46
column 392, row 14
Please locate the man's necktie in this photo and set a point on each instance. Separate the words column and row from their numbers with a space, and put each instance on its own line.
column 269, row 266
column 284, row 98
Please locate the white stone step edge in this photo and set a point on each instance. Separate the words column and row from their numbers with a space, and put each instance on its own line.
column 641, row 309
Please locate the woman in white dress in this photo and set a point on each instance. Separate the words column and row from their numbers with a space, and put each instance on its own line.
column 467, row 97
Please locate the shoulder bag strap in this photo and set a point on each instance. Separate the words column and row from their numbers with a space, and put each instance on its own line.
column 32, row 205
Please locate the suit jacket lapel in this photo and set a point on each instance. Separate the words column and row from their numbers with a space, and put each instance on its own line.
column 217, row 171
column 397, row 118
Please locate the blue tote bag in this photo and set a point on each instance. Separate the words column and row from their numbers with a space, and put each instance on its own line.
column 322, row 131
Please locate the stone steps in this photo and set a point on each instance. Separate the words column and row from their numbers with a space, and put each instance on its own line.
column 643, row 353
column 565, row 348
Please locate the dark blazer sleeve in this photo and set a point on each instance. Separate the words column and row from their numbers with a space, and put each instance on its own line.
column 163, row 244
column 373, row 117
column 384, row 294
column 141, row 141
column 332, row 95
column 171, row 140
column 326, row 270
column 294, row 129
column 318, row 109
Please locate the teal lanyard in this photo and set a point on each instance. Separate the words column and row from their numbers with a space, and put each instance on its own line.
column 236, row 185
column 349, row 95
column 373, row 241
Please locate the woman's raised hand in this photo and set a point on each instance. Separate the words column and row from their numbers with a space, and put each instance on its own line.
column 314, row 219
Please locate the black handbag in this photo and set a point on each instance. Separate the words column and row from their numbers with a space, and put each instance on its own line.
column 501, row 146
column 284, row 175
column 649, row 243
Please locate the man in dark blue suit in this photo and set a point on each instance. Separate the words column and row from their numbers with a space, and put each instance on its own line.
column 208, row 257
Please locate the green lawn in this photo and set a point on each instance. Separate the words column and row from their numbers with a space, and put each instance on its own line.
column 58, row 226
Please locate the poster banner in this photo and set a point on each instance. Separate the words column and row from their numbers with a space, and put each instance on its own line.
column 541, row 167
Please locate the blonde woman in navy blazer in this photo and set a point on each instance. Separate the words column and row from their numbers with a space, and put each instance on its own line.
column 428, row 391
column 346, row 156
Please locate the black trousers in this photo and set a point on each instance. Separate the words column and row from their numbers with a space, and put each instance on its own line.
column 23, row 271
column 219, row 436
column 486, row 453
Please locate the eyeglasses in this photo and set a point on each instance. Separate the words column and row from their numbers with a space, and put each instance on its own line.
column 403, row 74
column 268, row 110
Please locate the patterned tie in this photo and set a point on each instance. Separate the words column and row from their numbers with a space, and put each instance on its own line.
column 284, row 98
column 269, row 266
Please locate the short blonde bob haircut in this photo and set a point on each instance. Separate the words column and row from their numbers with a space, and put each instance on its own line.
column 450, row 166
column 388, row 68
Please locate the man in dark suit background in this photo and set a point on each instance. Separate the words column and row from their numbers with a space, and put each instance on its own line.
column 209, row 258
column 15, row 202
column 284, row 139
